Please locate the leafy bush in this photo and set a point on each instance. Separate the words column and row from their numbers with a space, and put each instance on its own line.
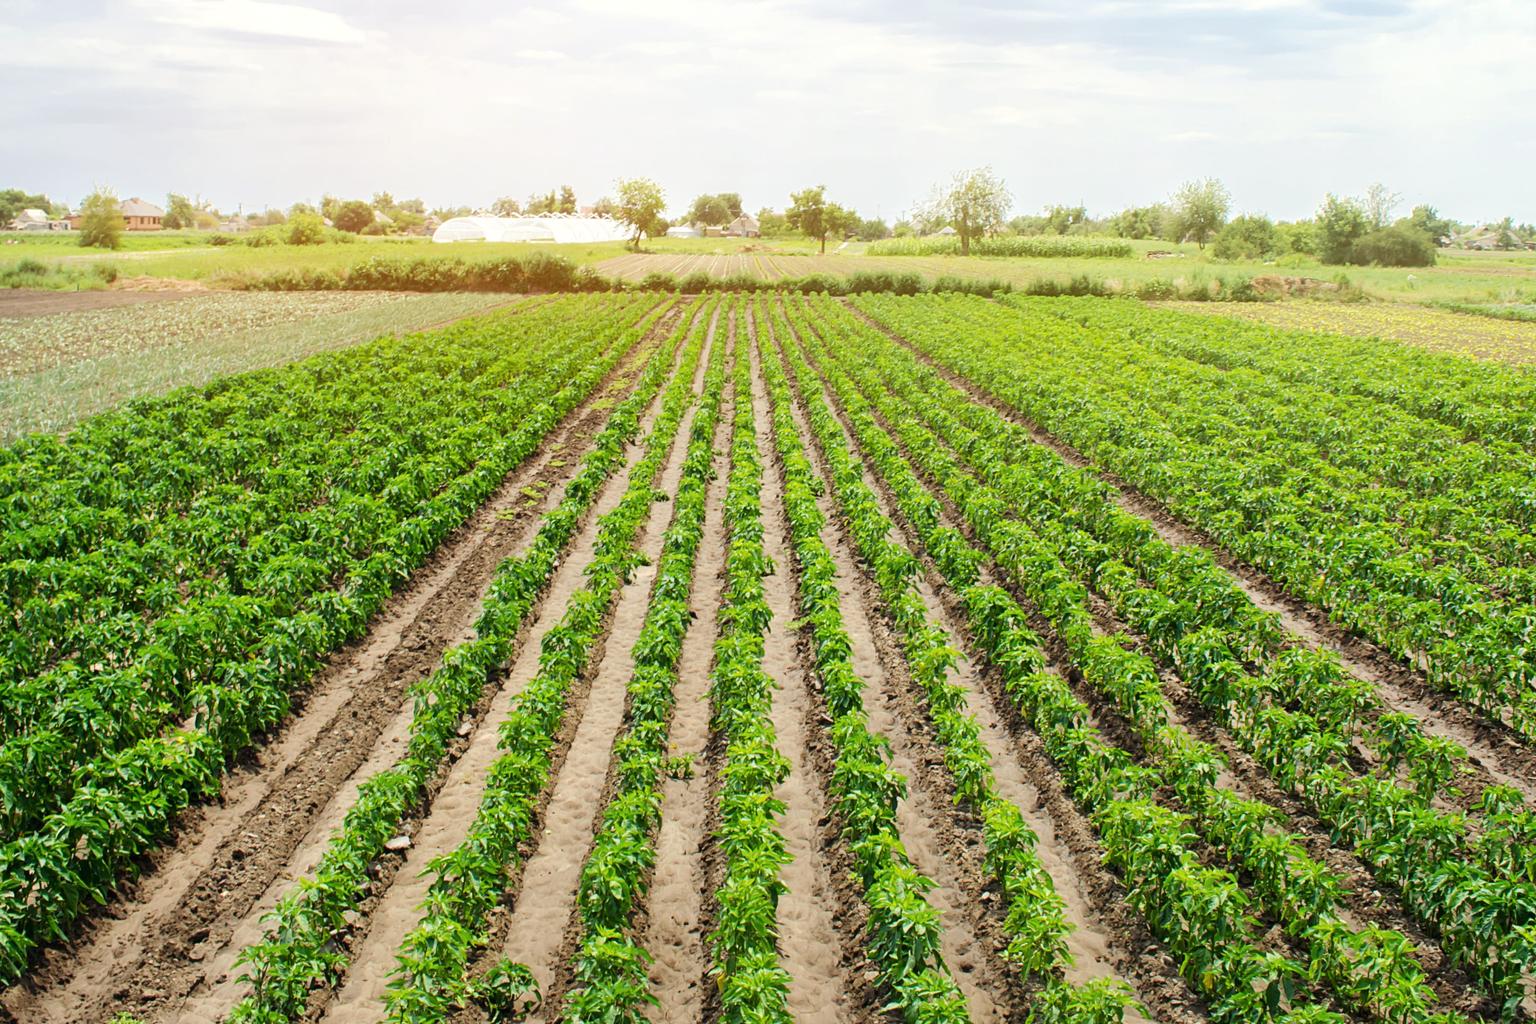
column 1249, row 237
column 219, row 238
column 1394, row 247
column 305, row 228
column 1047, row 246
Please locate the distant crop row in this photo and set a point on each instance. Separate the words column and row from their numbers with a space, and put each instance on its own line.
column 1018, row 246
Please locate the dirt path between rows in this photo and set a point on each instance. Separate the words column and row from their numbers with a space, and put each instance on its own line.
column 1094, row 947
column 1496, row 753
column 394, row 912
column 923, row 819
column 816, row 946
column 145, row 952
column 543, row 928
column 672, row 926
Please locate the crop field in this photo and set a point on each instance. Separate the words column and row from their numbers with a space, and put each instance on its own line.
column 57, row 368
column 759, row 658
column 1461, row 333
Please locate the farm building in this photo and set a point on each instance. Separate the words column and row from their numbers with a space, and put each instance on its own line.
column 745, row 226
column 141, row 216
column 30, row 220
column 558, row 228
column 683, row 231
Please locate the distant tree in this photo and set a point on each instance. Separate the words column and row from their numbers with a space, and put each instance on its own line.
column 305, row 228
column 330, row 206
column 180, row 212
column 298, row 208
column 1061, row 219
column 450, row 212
column 538, row 205
column 1507, row 239
column 1200, row 209
column 1139, row 222
column 1027, row 224
column 1427, row 221
column 711, row 211
column 14, row 200
column 974, row 203
column 1249, row 237
column 605, row 207
column 206, row 220
column 354, row 215
column 1393, row 247
column 841, row 222
column 567, row 200
column 1297, row 236
column 903, row 229
column 873, row 230
column 273, row 217
column 383, row 201
column 771, row 223
column 808, row 214
column 412, row 206
column 1378, row 204
column 640, row 204
column 1340, row 224
column 101, row 220
column 506, row 206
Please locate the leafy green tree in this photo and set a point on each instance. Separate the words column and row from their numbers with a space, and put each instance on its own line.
column 975, row 203
column 903, row 229
column 506, row 206
column 1297, row 236
column 383, row 201
column 872, row 230
column 101, row 220
column 1507, row 239
column 567, row 200
column 1200, row 209
column 1139, row 222
column 1378, row 205
column 354, row 215
column 305, row 228
column 330, row 206
column 1393, row 247
column 1427, row 221
column 1249, row 237
column 605, row 207
column 808, row 213
column 298, row 208
column 771, row 223
column 14, row 200
column 538, row 205
column 1061, row 219
column 180, row 212
column 1340, row 224
column 640, row 204
column 710, row 210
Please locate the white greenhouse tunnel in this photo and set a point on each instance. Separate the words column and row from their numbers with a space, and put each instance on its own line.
column 559, row 228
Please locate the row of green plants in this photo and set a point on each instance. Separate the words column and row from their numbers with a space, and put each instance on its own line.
column 1298, row 716
column 1298, row 891
column 1485, row 400
column 752, row 985
column 1017, row 246
column 121, row 635
column 1471, row 504
column 303, row 943
column 1200, row 912
column 432, row 978
column 610, row 964
column 1281, row 507
column 1035, row 920
column 903, row 929
column 124, row 802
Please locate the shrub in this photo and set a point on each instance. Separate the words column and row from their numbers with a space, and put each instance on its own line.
column 101, row 220
column 105, row 271
column 1394, row 247
column 219, row 238
column 305, row 228
column 694, row 283
column 1046, row 246
column 1157, row 288
column 1249, row 237
column 353, row 215
column 656, row 281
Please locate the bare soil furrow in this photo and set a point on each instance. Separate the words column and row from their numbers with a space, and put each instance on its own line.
column 815, row 948
column 199, row 891
column 942, row 851
column 1496, row 753
column 542, row 929
column 1094, row 945
column 391, row 913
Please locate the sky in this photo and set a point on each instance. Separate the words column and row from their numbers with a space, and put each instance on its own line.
column 1110, row 103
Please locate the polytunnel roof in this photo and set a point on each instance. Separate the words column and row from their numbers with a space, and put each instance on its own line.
column 554, row 228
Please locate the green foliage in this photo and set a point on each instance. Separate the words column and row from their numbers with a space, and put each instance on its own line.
column 1200, row 209
column 715, row 210
column 1427, row 221
column 304, row 228
column 14, row 200
column 101, row 220
column 1139, row 222
column 975, row 203
column 811, row 214
column 1340, row 223
column 180, row 212
column 1393, row 247
column 1297, row 237
column 1249, row 237
column 353, row 215
column 1035, row 247
column 640, row 204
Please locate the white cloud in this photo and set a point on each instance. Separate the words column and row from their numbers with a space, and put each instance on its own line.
column 255, row 17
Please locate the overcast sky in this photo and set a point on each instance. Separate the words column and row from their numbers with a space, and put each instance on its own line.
column 1108, row 102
